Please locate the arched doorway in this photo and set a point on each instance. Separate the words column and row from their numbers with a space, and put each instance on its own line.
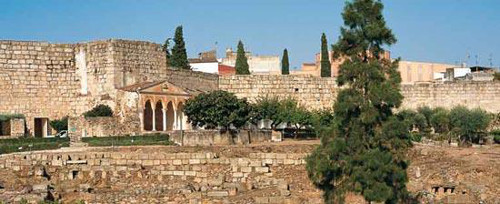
column 148, row 116
column 180, row 117
column 170, row 116
column 159, row 116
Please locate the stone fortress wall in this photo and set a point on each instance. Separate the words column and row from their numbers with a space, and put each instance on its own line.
column 43, row 80
column 318, row 93
column 311, row 92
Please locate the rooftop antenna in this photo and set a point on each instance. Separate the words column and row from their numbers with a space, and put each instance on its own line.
column 215, row 48
column 491, row 60
column 477, row 59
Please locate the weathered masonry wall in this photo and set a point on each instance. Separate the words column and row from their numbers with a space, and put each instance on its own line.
column 485, row 95
column 317, row 93
column 175, row 177
column 193, row 80
column 311, row 92
column 37, row 79
column 50, row 81
column 215, row 137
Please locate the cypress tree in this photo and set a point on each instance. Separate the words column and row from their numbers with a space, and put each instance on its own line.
column 241, row 61
column 285, row 65
column 179, row 55
column 165, row 48
column 365, row 150
column 325, row 61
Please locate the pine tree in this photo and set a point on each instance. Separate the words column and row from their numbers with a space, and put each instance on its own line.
column 366, row 151
column 325, row 61
column 179, row 55
column 166, row 48
column 241, row 61
column 285, row 65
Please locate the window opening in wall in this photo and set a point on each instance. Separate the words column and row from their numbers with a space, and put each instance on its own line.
column 41, row 127
column 296, row 89
column 74, row 174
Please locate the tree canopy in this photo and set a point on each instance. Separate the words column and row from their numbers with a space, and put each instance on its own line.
column 285, row 65
column 241, row 66
column 179, row 54
column 217, row 109
column 366, row 151
column 325, row 60
column 166, row 48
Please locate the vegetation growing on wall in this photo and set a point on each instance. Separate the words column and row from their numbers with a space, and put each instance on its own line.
column 6, row 117
column 99, row 111
column 60, row 124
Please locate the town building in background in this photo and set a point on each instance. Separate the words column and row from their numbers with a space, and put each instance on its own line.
column 258, row 65
column 414, row 71
column 411, row 71
column 207, row 62
column 474, row 73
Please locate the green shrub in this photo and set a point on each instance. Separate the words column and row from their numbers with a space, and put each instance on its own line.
column 6, row 117
column 416, row 136
column 414, row 120
column 60, row 125
column 150, row 139
column 496, row 138
column 217, row 109
column 99, row 111
column 469, row 125
column 496, row 135
column 31, row 144
column 440, row 120
column 496, row 76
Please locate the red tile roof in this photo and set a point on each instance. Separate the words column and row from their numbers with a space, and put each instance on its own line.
column 225, row 70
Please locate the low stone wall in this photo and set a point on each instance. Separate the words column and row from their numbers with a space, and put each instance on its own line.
column 101, row 127
column 215, row 137
column 182, row 177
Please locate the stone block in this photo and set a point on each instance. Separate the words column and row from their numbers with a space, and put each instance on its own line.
column 246, row 169
column 190, row 173
column 177, row 162
column 238, row 174
column 261, row 169
column 260, row 200
column 217, row 193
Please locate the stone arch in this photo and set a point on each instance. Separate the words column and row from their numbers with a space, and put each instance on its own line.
column 159, row 116
column 170, row 115
column 148, row 116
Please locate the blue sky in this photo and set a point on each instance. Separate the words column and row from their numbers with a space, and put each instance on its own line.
column 427, row 30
